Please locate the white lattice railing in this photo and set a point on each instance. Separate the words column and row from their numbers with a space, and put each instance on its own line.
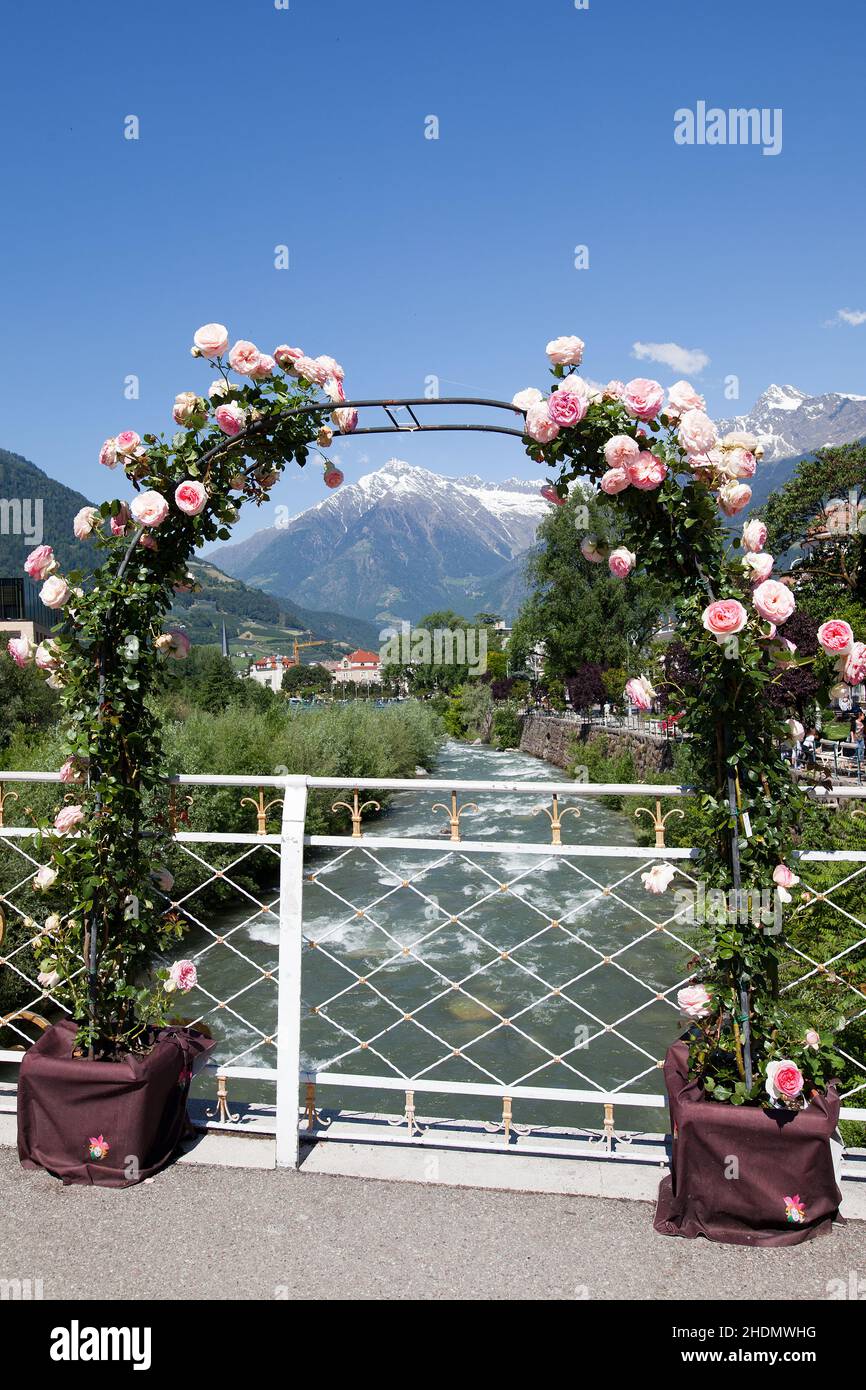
column 517, row 977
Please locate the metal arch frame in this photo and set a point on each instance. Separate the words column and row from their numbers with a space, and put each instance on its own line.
column 415, row 426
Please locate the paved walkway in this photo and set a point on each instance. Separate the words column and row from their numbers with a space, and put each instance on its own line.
column 229, row 1233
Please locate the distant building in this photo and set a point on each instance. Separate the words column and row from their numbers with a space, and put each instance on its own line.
column 21, row 612
column 535, row 661
column 270, row 671
column 359, row 668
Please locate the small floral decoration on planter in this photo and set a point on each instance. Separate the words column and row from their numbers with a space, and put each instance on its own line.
column 98, row 1147
column 103, row 871
column 673, row 481
column 795, row 1209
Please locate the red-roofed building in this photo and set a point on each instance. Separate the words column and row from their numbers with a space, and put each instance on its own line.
column 360, row 667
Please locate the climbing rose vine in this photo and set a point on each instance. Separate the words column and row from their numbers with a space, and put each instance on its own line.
column 673, row 481
column 110, row 915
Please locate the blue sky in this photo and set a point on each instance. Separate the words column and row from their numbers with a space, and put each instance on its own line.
column 412, row 257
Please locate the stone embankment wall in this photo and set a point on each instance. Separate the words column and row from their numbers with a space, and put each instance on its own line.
column 554, row 740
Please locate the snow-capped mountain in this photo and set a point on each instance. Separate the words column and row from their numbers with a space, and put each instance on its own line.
column 398, row 543
column 789, row 423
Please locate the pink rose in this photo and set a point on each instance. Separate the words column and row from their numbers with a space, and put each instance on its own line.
column 836, row 637
column 286, row 357
column 539, row 425
column 613, row 481
column 784, row 1080
column 696, row 432
column 575, row 385
column 85, row 522
column 73, row 770
column 149, row 508
column 264, row 367
column 724, row 617
column 854, row 670
column 733, row 497
column 754, row 535
column 186, row 407
column 310, row 370
column 613, row 390
column 643, row 398
column 330, row 367
column 774, row 601
column 333, row 477
column 45, row 656
column 621, row 562
column 647, row 471
column 127, row 442
column 345, row 420
column 682, row 397
column 67, row 818
column 173, row 643
column 620, row 451
column 108, row 454
column 524, row 399
column 21, row 650
column 550, row 494
column 694, row 1001
column 54, row 592
column 760, row 566
column 211, row 339
column 640, row 692
column 740, row 463
column 812, row 1038
column 230, row 418
column 183, row 976
column 593, row 550
column 783, row 877
column 40, row 562
column 566, row 408
column 191, row 497
column 244, row 357
column 657, row 879
column 120, row 520
column 565, row 352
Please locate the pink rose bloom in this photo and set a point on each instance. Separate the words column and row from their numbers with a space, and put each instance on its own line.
column 724, row 617
column 784, row 1080
column 85, row 522
column 191, row 497
column 148, row 542
column 774, row 601
column 264, row 367
column 783, row 877
column 345, row 420
column 592, row 550
column 186, row 407
column 741, row 463
column 173, row 643
column 621, row 562
column 550, row 494
column 230, row 418
column 310, row 370
column 566, row 408
column 643, row 398
column 657, row 879
column 149, row 508
column 694, row 1001
column 45, row 655
column 760, row 566
column 244, row 357
column 576, row 386
column 754, row 535
column 211, row 339
column 565, row 352
column 836, row 637
column 67, row 818
column 54, row 592
column 613, row 481
column 108, row 454
column 330, row 367
column 854, row 670
column 333, row 389
column 640, row 692
column 527, row 397
column 696, row 432
column 733, row 497
column 21, row 650
column 40, row 562
column 333, row 477
column 119, row 521
column 812, row 1038
column 183, row 976
column 682, row 397
column 286, row 357
column 127, row 442
column 647, row 471
column 539, row 425
column 613, row 390
column 620, row 451
column 72, row 770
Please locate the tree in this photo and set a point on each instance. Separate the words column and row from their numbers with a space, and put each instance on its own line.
column 306, row 680
column 576, row 608
column 586, row 687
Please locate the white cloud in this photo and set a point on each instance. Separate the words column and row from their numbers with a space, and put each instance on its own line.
column 691, row 361
column 853, row 316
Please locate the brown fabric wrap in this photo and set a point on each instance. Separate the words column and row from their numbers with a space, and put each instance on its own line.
column 138, row 1106
column 781, row 1155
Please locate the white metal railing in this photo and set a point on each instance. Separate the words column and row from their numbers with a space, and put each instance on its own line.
column 367, row 1016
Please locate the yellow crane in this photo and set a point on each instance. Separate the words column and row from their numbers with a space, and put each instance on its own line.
column 298, row 645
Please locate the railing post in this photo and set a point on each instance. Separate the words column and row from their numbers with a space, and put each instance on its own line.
column 289, row 983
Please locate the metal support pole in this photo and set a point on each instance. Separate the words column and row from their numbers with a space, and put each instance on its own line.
column 738, row 883
column 289, row 982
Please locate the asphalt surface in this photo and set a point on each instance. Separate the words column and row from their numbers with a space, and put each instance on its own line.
column 228, row 1233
